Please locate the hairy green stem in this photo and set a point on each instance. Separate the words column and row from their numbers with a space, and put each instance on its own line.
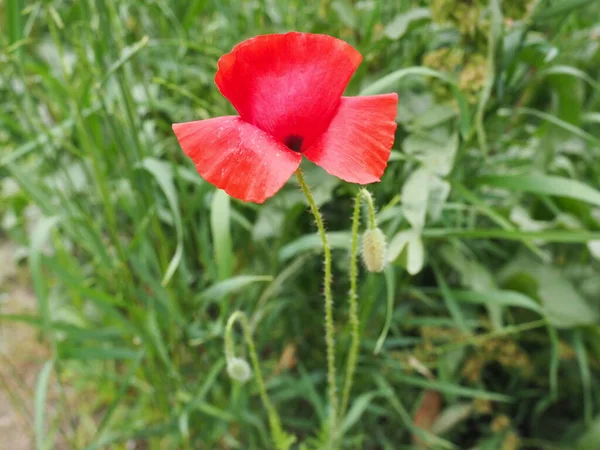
column 353, row 296
column 277, row 433
column 329, row 327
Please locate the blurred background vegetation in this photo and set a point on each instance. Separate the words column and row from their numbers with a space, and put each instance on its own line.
column 483, row 332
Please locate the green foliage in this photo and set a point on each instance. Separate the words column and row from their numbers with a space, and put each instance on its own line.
column 490, row 204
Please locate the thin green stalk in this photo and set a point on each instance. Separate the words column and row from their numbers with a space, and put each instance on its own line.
column 282, row 441
column 353, row 310
column 353, row 296
column 329, row 328
column 368, row 198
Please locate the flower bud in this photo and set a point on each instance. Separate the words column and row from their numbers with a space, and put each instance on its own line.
column 374, row 249
column 238, row 369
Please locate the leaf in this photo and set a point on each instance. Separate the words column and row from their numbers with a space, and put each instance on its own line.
column 39, row 237
column 476, row 276
column 390, row 81
column 439, row 190
column 590, row 440
column 399, row 25
column 452, row 389
column 436, row 150
column 14, row 21
column 345, row 12
column 86, row 353
column 571, row 71
column 358, row 408
column 268, row 223
column 408, row 246
column 472, row 273
column 554, row 120
column 53, row 134
column 395, row 402
column 163, row 174
column 452, row 416
column 433, row 116
column 512, row 235
column 594, row 248
column 158, row 341
column 397, row 244
column 112, row 407
column 41, row 395
column 312, row 242
column 520, row 216
column 221, row 289
column 562, row 304
column 494, row 37
column 558, row 9
column 565, row 307
column 34, row 188
column 498, row 297
column 220, row 223
column 208, row 382
column 545, row 185
column 449, row 299
column 415, row 255
column 586, row 375
column 128, row 53
column 414, row 197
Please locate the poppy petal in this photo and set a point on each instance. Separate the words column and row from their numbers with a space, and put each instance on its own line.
column 237, row 157
column 288, row 85
column 357, row 144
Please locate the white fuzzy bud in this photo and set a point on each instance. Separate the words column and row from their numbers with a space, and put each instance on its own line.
column 238, row 369
column 374, row 248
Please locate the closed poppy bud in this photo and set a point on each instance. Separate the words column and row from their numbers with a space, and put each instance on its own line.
column 238, row 369
column 374, row 249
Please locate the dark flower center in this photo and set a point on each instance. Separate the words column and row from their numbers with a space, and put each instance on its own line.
column 294, row 142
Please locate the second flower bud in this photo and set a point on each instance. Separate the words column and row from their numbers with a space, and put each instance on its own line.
column 374, row 248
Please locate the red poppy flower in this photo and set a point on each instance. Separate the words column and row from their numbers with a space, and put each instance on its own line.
column 287, row 89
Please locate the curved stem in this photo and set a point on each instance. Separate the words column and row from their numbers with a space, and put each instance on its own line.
column 329, row 327
column 274, row 420
column 353, row 296
column 366, row 195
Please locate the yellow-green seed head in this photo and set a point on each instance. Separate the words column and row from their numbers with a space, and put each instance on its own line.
column 374, row 248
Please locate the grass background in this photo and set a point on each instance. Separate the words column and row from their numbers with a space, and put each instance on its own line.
column 484, row 330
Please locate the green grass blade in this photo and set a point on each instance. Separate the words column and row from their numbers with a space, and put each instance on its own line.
column 231, row 285
column 557, row 236
column 545, row 185
column 500, row 297
column 14, row 20
column 220, row 222
column 556, row 9
column 555, row 121
column 586, row 376
column 41, row 395
column 39, row 238
column 127, row 379
column 163, row 174
column 127, row 54
column 452, row 389
column 571, row 71
column 312, row 242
